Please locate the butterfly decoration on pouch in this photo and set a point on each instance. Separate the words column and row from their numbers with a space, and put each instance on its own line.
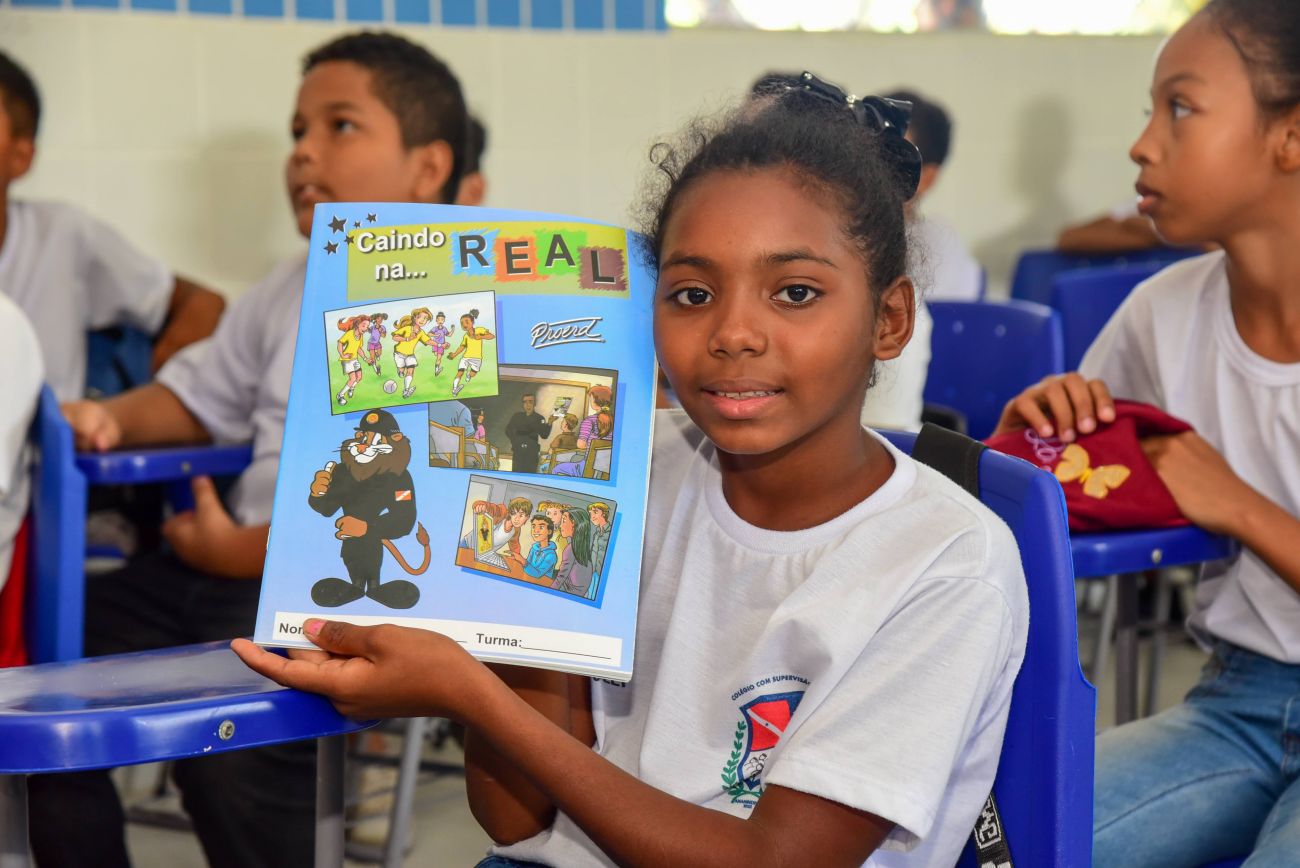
column 1076, row 465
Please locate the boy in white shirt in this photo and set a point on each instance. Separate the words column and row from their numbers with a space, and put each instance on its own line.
column 71, row 273
column 377, row 118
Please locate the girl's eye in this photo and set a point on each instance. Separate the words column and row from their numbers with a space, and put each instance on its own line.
column 297, row 132
column 692, row 296
column 343, row 125
column 1180, row 110
column 797, row 295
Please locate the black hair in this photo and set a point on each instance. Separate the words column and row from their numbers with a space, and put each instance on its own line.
column 22, row 101
column 823, row 143
column 473, row 314
column 930, row 127
column 1266, row 34
column 550, row 525
column 419, row 89
column 476, row 146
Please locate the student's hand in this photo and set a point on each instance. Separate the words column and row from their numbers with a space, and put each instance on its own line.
column 381, row 671
column 94, row 428
column 208, row 539
column 1062, row 406
column 1206, row 489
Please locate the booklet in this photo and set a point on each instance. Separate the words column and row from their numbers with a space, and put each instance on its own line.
column 468, row 435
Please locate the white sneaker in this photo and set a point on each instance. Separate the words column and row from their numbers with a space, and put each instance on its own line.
column 342, row 399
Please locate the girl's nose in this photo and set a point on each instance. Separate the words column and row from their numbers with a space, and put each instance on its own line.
column 1143, row 150
column 738, row 330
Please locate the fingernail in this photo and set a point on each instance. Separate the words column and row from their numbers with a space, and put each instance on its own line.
column 312, row 626
column 1046, row 430
column 1086, row 425
column 1107, row 414
column 1067, row 435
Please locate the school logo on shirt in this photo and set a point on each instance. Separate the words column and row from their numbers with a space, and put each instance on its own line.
column 763, row 722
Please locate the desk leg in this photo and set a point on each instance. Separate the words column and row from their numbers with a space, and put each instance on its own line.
column 1126, row 648
column 13, row 821
column 329, row 801
column 400, row 818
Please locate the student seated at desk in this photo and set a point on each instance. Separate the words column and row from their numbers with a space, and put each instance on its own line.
column 377, row 119
column 1215, row 341
column 71, row 273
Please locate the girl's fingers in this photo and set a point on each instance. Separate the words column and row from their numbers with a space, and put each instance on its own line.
column 1085, row 414
column 1058, row 404
column 1102, row 400
column 1026, row 407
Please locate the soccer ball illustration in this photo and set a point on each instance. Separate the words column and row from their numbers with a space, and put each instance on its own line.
column 390, row 386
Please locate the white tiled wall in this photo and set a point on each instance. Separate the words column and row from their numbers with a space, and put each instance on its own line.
column 175, row 126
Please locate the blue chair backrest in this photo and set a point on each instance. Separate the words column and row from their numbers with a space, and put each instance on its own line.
column 55, row 575
column 1086, row 300
column 1045, row 776
column 1035, row 269
column 982, row 354
column 117, row 359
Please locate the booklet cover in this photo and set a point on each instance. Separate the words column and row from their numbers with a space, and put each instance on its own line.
column 468, row 435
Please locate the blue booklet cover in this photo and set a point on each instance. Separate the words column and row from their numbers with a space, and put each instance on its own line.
column 468, row 435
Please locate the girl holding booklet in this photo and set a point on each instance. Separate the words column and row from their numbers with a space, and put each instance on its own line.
column 828, row 631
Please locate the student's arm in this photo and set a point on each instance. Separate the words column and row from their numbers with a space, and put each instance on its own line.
column 1108, row 235
column 1212, row 496
column 383, row 672
column 192, row 315
column 150, row 415
column 208, row 539
column 501, row 798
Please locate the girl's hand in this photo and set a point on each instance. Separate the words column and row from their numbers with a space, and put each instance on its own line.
column 94, row 427
column 1206, row 489
column 370, row 672
column 1059, row 406
column 209, row 539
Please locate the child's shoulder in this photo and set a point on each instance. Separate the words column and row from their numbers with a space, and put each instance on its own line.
column 1171, row 287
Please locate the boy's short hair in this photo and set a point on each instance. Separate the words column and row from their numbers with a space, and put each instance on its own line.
column 930, row 128
column 550, row 525
column 520, row 504
column 476, row 147
column 419, row 89
column 604, row 509
column 21, row 100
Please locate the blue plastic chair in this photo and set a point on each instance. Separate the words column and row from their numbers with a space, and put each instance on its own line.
column 1035, row 269
column 1126, row 554
column 117, row 359
column 982, row 354
column 1045, row 776
column 152, row 706
column 56, row 601
column 1086, row 299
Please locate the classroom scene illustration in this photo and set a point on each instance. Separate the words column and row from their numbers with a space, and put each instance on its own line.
column 934, row 366
column 536, row 535
column 545, row 420
column 435, row 348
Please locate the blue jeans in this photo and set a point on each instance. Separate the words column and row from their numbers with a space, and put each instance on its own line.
column 503, row 862
column 1213, row 778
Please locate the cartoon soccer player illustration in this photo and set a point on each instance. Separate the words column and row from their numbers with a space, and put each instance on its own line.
column 375, row 342
column 471, row 345
column 372, row 486
column 354, row 330
column 439, row 335
column 407, row 334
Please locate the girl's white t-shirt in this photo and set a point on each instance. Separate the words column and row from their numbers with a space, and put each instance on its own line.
column 868, row 660
column 1174, row 343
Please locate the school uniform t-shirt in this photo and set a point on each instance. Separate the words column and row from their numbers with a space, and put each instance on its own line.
column 868, row 660
column 22, row 387
column 70, row 274
column 236, row 381
column 1174, row 343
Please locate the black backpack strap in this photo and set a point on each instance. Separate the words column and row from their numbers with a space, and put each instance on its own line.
column 957, row 457
column 954, row 455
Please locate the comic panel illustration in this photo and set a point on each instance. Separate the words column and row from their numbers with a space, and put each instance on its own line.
column 544, row 537
column 552, row 421
column 367, row 494
column 395, row 353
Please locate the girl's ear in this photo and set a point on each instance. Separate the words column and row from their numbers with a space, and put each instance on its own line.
column 1288, row 155
column 896, row 317
column 433, row 164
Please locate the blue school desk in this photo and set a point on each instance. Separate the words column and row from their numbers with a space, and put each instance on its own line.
column 1126, row 554
column 151, row 706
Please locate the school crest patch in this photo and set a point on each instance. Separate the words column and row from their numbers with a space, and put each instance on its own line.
column 763, row 722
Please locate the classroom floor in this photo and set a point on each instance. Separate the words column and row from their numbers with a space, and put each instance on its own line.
column 446, row 835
